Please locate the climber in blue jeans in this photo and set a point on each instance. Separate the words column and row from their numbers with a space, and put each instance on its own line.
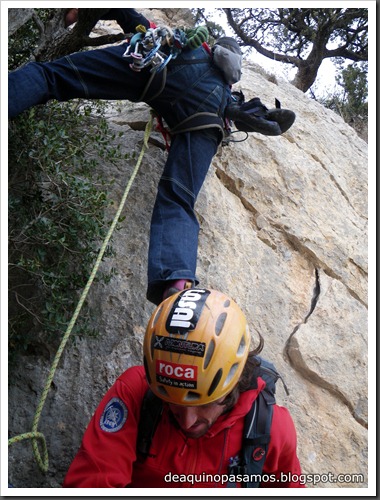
column 183, row 85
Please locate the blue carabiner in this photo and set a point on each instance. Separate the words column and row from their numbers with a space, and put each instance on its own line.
column 136, row 38
column 132, row 44
column 164, row 63
column 151, row 54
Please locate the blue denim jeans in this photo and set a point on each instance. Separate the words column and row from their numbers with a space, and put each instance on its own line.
column 190, row 88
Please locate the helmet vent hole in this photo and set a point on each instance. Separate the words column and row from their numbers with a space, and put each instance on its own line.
column 209, row 353
column 241, row 348
column 231, row 374
column 220, row 323
column 161, row 389
column 227, row 303
column 192, row 396
column 215, row 382
column 152, row 342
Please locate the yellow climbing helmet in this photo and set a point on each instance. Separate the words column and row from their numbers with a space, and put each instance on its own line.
column 195, row 347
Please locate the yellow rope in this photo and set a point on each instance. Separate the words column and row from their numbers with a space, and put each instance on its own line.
column 34, row 435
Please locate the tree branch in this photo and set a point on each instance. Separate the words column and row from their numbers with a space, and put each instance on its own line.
column 251, row 42
column 348, row 54
column 301, row 36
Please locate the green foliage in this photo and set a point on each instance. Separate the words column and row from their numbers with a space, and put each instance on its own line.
column 350, row 101
column 353, row 81
column 57, row 221
column 303, row 38
column 21, row 45
column 24, row 41
column 215, row 30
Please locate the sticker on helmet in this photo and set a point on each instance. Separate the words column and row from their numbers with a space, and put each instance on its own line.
column 186, row 311
column 180, row 346
column 175, row 375
column 114, row 416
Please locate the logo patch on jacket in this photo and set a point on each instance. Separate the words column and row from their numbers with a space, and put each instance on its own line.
column 114, row 416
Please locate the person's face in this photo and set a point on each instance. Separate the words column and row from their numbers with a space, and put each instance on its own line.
column 194, row 421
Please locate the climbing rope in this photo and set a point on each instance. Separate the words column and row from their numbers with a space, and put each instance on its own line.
column 34, row 435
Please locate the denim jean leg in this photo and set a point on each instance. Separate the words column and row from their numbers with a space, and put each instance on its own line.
column 174, row 228
column 26, row 88
column 94, row 74
column 190, row 89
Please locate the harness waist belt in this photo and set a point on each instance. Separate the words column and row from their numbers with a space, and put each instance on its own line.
column 198, row 121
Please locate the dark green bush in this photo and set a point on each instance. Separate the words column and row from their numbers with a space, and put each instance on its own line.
column 57, row 222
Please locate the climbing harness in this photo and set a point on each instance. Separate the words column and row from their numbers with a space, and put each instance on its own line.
column 156, row 47
column 34, row 435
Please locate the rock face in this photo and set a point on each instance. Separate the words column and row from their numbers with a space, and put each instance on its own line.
column 283, row 232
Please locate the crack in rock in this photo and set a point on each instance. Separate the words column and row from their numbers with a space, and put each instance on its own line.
column 311, row 255
column 294, row 355
column 235, row 186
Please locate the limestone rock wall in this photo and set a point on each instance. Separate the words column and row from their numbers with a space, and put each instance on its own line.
column 284, row 232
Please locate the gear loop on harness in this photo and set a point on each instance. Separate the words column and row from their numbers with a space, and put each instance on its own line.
column 145, row 47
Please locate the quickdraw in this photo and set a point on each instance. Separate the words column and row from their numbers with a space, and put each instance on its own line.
column 144, row 48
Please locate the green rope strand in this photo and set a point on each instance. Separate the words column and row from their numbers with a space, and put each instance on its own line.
column 43, row 462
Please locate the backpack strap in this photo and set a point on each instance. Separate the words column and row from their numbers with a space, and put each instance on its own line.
column 256, row 439
column 257, row 426
column 150, row 415
column 268, row 372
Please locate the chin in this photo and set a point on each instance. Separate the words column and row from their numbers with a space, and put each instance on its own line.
column 196, row 433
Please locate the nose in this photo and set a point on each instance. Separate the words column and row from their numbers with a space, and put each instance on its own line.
column 186, row 416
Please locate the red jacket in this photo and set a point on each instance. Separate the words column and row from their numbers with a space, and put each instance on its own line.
column 107, row 456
